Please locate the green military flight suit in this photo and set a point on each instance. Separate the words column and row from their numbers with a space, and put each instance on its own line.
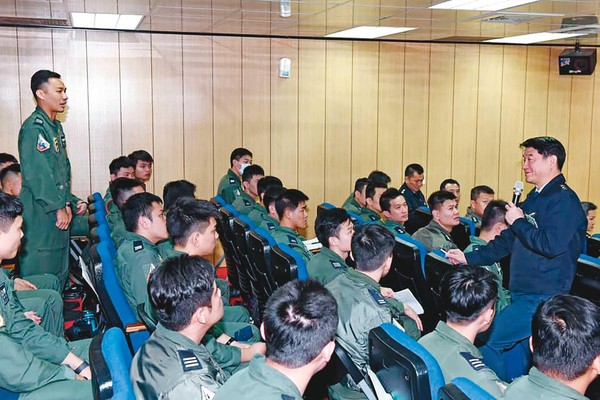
column 45, row 301
column 259, row 381
column 351, row 205
column 283, row 234
column 172, row 366
column 504, row 295
column 369, row 216
column 258, row 214
column 539, row 386
column 458, row 357
column 326, row 266
column 246, row 204
column 434, row 237
column 230, row 187
column 473, row 217
column 136, row 259
column 46, row 188
column 361, row 307
column 269, row 223
column 395, row 227
column 115, row 223
column 31, row 357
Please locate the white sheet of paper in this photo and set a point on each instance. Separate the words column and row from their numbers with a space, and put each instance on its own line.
column 313, row 244
column 406, row 297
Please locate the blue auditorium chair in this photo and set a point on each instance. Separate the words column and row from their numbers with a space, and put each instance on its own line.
column 110, row 360
column 587, row 279
column 324, row 206
column 260, row 243
column 436, row 266
column 225, row 230
column 286, row 265
column 241, row 227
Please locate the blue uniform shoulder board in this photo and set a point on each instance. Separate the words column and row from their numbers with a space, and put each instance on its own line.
column 475, row 362
column 138, row 245
column 335, row 264
column 292, row 239
column 247, row 202
column 39, row 121
column 231, row 180
column 270, row 225
column 3, row 293
column 287, row 397
column 374, row 217
column 377, row 297
column 189, row 360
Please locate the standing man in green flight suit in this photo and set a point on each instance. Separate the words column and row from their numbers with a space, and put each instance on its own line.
column 46, row 170
column 230, row 185
column 246, row 201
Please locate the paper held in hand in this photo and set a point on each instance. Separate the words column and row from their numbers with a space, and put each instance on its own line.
column 406, row 297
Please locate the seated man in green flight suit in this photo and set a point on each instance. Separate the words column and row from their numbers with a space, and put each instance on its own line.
column 173, row 363
column 259, row 213
column 246, row 201
column 362, row 305
column 120, row 167
column 230, row 185
column 299, row 328
column 445, row 216
column 371, row 214
column 395, row 210
column 356, row 201
column 291, row 209
column 269, row 220
column 35, row 363
column 121, row 189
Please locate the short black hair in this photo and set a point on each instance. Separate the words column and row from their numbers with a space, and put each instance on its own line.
column 565, row 333
column 6, row 157
column 448, row 181
column 300, row 319
column 494, row 212
column 180, row 286
column 178, row 189
column 120, row 162
column 41, row 77
column 189, row 215
column 360, row 184
column 379, row 176
column 138, row 205
column 9, row 171
column 328, row 224
column 370, row 192
column 267, row 181
column 251, row 171
column 10, row 208
column 412, row 169
column 238, row 153
column 289, row 200
column 271, row 195
column 477, row 190
column 141, row 155
column 466, row 291
column 121, row 189
column 548, row 146
column 436, row 199
column 387, row 197
column 586, row 205
column 371, row 245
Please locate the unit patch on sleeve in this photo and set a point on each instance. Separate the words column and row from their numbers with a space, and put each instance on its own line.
column 42, row 144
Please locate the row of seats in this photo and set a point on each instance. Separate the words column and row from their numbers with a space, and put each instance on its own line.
column 256, row 264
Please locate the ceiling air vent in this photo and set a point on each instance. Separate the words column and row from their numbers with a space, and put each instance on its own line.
column 510, row 19
column 41, row 22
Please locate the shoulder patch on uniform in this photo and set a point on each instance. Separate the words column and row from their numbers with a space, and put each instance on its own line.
column 247, row 202
column 475, row 362
column 287, row 397
column 231, row 180
column 42, row 144
column 206, row 394
column 377, row 297
column 292, row 239
column 270, row 225
column 138, row 245
column 189, row 360
column 39, row 121
column 335, row 264
column 3, row 293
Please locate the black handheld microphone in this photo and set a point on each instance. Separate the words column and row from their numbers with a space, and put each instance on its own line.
column 517, row 191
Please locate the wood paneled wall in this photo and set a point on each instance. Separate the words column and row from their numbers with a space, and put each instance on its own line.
column 348, row 108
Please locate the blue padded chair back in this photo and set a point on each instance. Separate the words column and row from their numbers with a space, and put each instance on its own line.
column 234, row 213
column 104, row 233
column 262, row 232
column 300, row 264
column 221, row 201
column 124, row 312
column 356, row 219
column 247, row 221
column 110, row 360
column 471, row 389
column 419, row 367
column 467, row 222
column 596, row 235
column 327, row 205
column 420, row 246
column 8, row 395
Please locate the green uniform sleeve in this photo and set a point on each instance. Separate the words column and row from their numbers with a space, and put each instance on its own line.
column 37, row 170
column 25, row 332
column 228, row 357
column 133, row 270
column 193, row 386
column 20, row 371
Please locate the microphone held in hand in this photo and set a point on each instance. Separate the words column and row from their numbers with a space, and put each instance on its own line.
column 517, row 191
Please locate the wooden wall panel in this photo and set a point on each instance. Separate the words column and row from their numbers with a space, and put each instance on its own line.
column 348, row 108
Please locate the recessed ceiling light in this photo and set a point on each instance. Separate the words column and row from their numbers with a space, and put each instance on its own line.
column 106, row 21
column 534, row 37
column 480, row 5
column 369, row 32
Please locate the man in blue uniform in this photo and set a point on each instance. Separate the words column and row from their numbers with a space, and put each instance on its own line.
column 414, row 175
column 545, row 239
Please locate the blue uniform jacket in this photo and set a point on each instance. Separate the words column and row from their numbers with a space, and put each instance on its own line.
column 545, row 245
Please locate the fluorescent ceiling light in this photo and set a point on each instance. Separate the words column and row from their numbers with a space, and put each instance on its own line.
column 106, row 21
column 480, row 5
column 535, row 37
column 369, row 32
